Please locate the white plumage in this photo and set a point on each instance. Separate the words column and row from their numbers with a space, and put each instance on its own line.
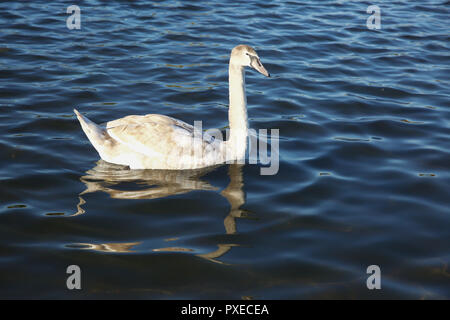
column 155, row 141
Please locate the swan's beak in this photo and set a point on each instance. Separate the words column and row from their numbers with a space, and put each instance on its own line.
column 257, row 65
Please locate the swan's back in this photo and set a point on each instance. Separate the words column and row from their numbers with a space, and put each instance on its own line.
column 154, row 141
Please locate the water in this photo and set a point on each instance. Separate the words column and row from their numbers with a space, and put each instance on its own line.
column 364, row 151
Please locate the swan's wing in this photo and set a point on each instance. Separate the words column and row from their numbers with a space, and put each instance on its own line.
column 157, row 135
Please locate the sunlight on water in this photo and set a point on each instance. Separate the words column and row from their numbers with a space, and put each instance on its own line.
column 363, row 179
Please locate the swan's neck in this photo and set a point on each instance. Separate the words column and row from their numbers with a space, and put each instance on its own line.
column 237, row 113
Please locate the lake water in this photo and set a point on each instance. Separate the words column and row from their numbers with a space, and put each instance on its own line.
column 363, row 176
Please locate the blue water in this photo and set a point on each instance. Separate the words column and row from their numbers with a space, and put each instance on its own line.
column 363, row 178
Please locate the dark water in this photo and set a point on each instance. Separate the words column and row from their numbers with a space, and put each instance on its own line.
column 364, row 151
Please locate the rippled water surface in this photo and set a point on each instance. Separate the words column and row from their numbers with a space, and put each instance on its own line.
column 364, row 151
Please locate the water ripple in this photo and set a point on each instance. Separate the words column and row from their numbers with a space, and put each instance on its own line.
column 364, row 139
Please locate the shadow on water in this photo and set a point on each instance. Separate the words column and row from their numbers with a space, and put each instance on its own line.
column 155, row 184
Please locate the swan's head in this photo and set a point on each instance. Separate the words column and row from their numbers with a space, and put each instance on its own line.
column 245, row 56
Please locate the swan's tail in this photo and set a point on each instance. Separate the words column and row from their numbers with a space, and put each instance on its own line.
column 94, row 132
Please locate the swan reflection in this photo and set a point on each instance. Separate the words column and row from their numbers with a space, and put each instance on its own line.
column 154, row 184
column 107, row 247
column 158, row 183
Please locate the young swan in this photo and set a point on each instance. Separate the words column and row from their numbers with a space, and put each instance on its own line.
column 155, row 141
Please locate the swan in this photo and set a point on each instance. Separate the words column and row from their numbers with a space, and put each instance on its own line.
column 156, row 141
